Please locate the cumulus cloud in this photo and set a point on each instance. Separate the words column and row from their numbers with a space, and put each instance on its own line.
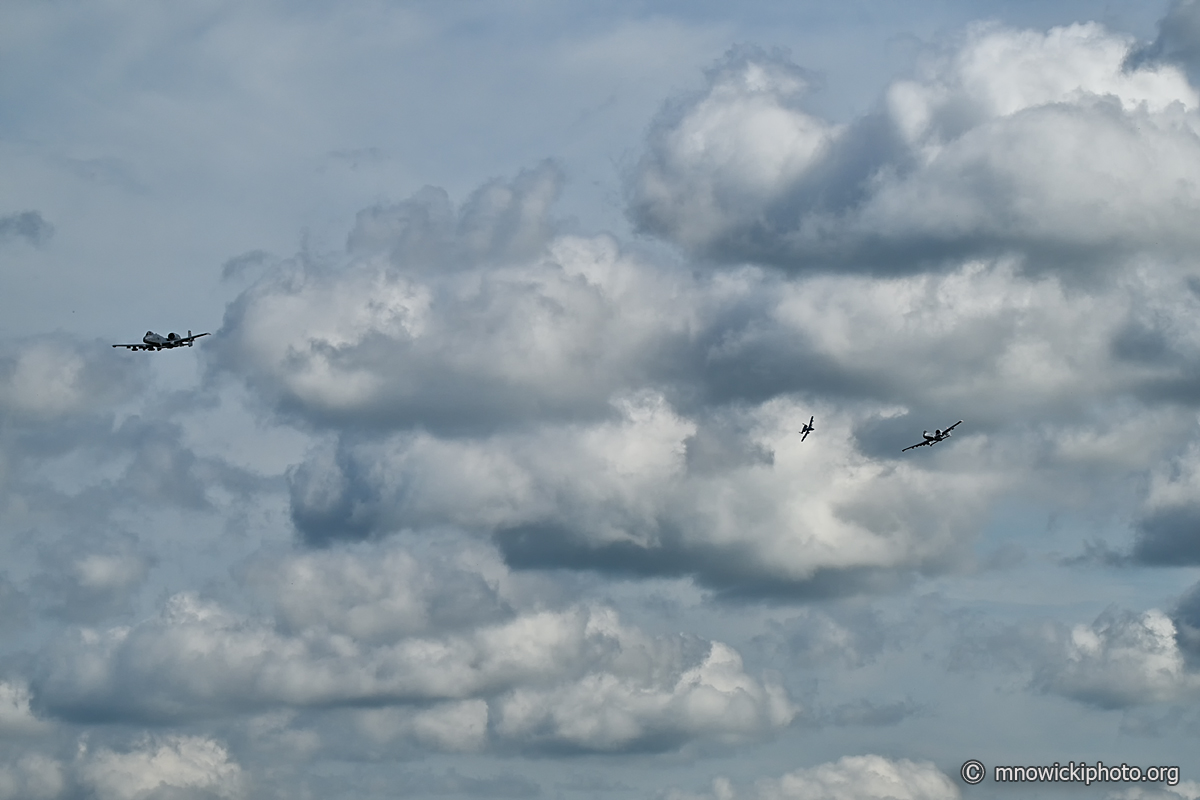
column 1178, row 39
column 1122, row 659
column 649, row 492
column 610, row 713
column 431, row 324
column 1043, row 144
column 589, row 407
column 16, row 718
column 174, row 766
column 52, row 379
column 33, row 776
column 868, row 777
column 14, row 603
column 575, row 678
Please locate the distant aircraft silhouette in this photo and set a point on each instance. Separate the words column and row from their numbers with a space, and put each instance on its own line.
column 935, row 437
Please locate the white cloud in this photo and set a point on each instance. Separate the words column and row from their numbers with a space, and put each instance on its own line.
column 557, row 391
column 1170, row 518
column 1043, row 144
column 609, row 711
column 536, row 678
column 868, row 777
column 647, row 491
column 159, row 763
column 585, row 404
column 1007, row 71
column 1121, row 659
column 393, row 339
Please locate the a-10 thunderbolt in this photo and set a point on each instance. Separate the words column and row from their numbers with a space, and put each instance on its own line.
column 807, row 429
column 933, row 438
column 152, row 341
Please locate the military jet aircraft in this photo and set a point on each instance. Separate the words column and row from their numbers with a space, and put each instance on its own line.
column 808, row 429
column 935, row 437
column 152, row 341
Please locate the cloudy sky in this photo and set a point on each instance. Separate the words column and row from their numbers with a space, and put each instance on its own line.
column 488, row 482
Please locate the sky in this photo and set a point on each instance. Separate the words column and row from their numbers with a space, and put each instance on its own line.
column 488, row 482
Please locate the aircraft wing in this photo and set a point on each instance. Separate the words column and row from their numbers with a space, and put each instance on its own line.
column 952, row 427
column 186, row 339
column 133, row 346
column 805, row 436
column 920, row 444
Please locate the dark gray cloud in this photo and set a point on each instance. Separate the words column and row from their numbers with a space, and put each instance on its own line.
column 455, row 319
column 1169, row 537
column 14, row 605
column 1122, row 659
column 1178, row 40
column 1140, row 342
column 122, row 767
column 174, row 767
column 1186, row 616
column 593, row 408
column 27, row 225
